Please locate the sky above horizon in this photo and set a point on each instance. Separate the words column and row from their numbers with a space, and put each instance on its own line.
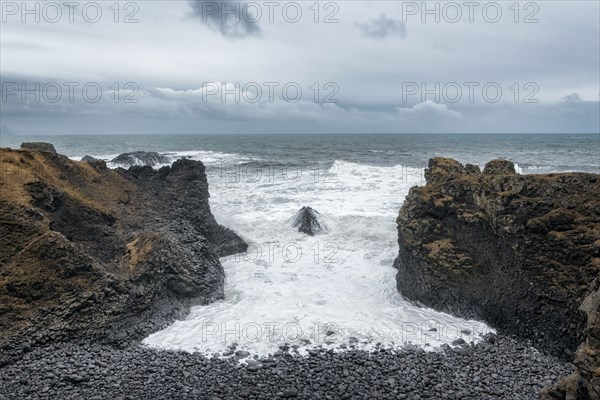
column 198, row 66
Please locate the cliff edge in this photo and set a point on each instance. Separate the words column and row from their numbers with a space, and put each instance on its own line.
column 520, row 252
column 104, row 255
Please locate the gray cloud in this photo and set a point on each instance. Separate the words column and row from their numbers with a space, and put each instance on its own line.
column 383, row 27
column 574, row 98
column 370, row 92
column 165, row 109
column 226, row 17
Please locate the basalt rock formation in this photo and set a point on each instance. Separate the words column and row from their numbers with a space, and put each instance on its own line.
column 105, row 255
column 41, row 146
column 140, row 158
column 521, row 252
column 307, row 221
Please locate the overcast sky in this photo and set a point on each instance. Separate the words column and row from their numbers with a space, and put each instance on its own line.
column 190, row 67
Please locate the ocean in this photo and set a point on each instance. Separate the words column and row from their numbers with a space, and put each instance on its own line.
column 337, row 287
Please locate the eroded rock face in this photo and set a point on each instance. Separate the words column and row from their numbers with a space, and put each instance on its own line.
column 41, row 146
column 140, row 158
column 587, row 357
column 108, row 255
column 518, row 251
column 307, row 221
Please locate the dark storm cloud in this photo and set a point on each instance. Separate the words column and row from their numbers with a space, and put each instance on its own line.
column 383, row 27
column 229, row 17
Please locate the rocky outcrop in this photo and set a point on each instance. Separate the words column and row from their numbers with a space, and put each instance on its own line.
column 140, row 158
column 518, row 251
column 41, row 146
column 89, row 159
column 587, row 357
column 584, row 383
column 307, row 221
column 108, row 255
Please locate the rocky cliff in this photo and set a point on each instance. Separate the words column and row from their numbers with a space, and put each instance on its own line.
column 518, row 251
column 109, row 255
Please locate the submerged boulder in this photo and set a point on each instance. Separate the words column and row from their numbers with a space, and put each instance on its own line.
column 41, row 146
column 307, row 221
column 150, row 158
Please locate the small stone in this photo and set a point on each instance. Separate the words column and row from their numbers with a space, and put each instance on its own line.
column 242, row 353
column 290, row 393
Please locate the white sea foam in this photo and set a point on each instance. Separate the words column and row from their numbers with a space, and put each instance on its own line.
column 292, row 288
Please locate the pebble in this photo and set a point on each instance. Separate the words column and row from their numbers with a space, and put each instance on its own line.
column 505, row 369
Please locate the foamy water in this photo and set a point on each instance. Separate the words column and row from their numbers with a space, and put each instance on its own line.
column 328, row 290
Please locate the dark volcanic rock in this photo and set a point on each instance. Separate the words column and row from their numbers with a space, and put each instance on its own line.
column 107, row 255
column 587, row 357
column 518, row 251
column 507, row 370
column 497, row 167
column 41, row 146
column 140, row 158
column 585, row 382
column 89, row 159
column 307, row 221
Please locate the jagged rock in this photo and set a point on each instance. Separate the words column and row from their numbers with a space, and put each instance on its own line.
column 140, row 158
column 113, row 255
column 441, row 169
column 517, row 251
column 584, row 383
column 41, row 146
column 89, row 159
column 307, row 221
column 499, row 167
column 472, row 169
column 587, row 357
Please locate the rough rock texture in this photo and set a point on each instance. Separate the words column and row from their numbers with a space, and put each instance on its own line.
column 502, row 370
column 109, row 255
column 41, row 146
column 140, row 158
column 307, row 221
column 585, row 382
column 518, row 251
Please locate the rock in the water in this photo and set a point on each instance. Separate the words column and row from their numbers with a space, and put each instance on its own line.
column 41, row 146
column 89, row 159
column 517, row 251
column 140, row 158
column 307, row 221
